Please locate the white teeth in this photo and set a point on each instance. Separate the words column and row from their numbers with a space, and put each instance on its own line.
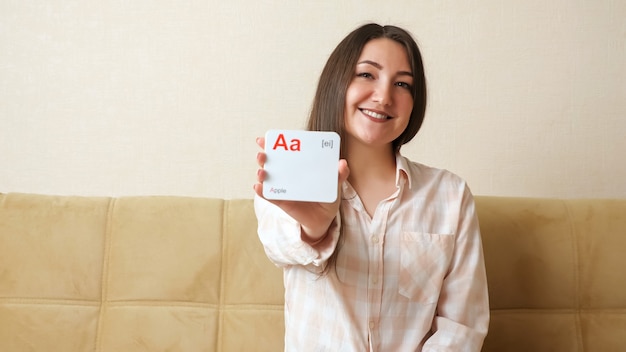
column 374, row 114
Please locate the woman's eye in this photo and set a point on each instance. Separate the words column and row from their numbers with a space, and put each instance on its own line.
column 365, row 75
column 403, row 85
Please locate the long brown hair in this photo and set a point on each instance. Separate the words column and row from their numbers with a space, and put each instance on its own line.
column 327, row 112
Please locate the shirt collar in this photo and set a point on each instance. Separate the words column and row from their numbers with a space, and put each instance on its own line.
column 403, row 172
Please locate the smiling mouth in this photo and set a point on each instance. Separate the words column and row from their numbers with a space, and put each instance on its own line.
column 375, row 115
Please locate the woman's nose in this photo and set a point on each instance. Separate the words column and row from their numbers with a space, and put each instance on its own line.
column 382, row 94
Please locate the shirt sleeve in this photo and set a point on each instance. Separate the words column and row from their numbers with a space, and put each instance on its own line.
column 281, row 238
column 462, row 318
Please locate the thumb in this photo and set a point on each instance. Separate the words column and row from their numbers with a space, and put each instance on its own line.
column 344, row 171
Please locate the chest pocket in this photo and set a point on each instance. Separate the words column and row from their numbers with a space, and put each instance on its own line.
column 424, row 262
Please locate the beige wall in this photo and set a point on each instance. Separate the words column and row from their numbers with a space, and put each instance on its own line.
column 528, row 98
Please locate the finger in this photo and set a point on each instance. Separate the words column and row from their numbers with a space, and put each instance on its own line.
column 260, row 141
column 260, row 158
column 344, row 172
column 258, row 189
column 260, row 175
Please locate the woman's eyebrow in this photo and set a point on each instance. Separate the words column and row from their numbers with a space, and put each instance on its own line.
column 380, row 67
column 370, row 62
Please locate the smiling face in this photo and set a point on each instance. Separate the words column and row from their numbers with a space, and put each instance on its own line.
column 379, row 100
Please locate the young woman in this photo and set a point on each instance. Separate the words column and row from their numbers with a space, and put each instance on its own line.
column 396, row 263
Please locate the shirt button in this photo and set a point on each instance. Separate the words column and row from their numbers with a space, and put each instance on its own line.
column 375, row 281
column 375, row 239
column 371, row 324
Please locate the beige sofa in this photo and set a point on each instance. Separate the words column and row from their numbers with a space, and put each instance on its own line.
column 189, row 274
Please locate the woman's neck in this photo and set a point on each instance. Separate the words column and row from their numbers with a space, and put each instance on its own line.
column 372, row 173
column 371, row 162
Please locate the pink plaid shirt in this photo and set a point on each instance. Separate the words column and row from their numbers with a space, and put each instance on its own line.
column 411, row 278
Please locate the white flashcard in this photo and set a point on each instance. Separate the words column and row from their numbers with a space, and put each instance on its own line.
column 301, row 165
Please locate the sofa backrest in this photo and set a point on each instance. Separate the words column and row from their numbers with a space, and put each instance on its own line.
column 189, row 274
column 135, row 274
column 556, row 271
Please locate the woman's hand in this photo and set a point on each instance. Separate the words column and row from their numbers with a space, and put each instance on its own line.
column 314, row 218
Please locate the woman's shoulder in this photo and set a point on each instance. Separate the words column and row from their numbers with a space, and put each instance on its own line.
column 422, row 173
